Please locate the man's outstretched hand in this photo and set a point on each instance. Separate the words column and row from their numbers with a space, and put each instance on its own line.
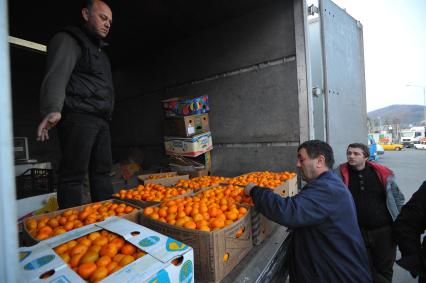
column 48, row 122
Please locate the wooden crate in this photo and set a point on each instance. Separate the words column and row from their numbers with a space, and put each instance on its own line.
column 29, row 240
column 210, row 247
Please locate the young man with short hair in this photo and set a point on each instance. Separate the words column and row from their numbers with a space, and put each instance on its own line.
column 378, row 202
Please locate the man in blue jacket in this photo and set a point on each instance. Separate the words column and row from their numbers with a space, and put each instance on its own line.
column 327, row 244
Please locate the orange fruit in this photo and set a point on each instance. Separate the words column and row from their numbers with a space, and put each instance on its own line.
column 93, row 236
column 85, row 270
column 42, row 236
column 127, row 249
column 95, row 248
column 108, row 250
column 118, row 257
column 71, row 244
column 89, row 256
column 126, row 260
column 62, row 220
column 75, row 260
column 128, row 209
column 218, row 223
column 84, row 241
column 110, row 266
column 53, row 222
column 31, row 224
column 103, row 261
column 69, row 225
column 78, row 249
column 65, row 257
column 99, row 274
column 118, row 242
column 45, row 230
column 100, row 241
column 148, row 210
column 61, row 248
column 190, row 225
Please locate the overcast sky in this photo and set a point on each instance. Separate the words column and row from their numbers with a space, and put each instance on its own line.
column 394, row 49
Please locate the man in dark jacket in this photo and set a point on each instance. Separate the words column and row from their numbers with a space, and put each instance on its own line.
column 378, row 201
column 77, row 94
column 408, row 228
column 327, row 244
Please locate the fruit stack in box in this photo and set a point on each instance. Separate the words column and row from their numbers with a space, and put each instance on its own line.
column 187, row 131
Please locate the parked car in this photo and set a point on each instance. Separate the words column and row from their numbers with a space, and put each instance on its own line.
column 392, row 146
column 421, row 145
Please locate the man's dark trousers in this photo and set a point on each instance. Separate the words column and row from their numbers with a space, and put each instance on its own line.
column 86, row 147
column 381, row 249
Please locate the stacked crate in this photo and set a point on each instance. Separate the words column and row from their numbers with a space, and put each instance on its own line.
column 187, row 130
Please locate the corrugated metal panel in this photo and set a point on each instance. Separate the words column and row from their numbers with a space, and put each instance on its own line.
column 344, row 78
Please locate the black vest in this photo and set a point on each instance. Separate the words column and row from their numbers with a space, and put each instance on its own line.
column 90, row 89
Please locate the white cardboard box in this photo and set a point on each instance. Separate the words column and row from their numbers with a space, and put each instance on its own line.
column 192, row 146
column 156, row 265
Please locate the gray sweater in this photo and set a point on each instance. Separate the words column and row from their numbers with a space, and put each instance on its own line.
column 63, row 52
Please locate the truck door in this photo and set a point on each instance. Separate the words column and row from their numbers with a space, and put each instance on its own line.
column 343, row 78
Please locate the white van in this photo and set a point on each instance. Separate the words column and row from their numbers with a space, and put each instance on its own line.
column 421, row 145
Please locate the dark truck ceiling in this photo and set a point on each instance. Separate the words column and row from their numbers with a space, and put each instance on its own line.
column 138, row 26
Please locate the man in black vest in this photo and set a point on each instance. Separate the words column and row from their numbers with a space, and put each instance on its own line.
column 77, row 95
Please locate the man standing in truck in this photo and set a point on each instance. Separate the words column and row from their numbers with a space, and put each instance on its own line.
column 77, row 95
column 378, row 202
column 327, row 245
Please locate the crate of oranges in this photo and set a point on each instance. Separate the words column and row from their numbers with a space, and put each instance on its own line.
column 282, row 183
column 115, row 250
column 165, row 179
column 202, row 182
column 41, row 227
column 214, row 225
column 150, row 194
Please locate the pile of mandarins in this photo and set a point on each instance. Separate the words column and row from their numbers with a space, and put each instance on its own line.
column 151, row 192
column 264, row 179
column 207, row 211
column 98, row 254
column 46, row 227
column 161, row 176
column 202, row 182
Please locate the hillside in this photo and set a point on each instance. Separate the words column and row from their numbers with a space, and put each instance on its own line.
column 404, row 114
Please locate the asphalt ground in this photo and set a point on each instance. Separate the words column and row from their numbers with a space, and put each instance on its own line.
column 409, row 166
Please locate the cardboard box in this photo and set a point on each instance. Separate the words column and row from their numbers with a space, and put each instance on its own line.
column 156, row 266
column 184, row 106
column 210, row 247
column 170, row 179
column 186, row 126
column 193, row 146
column 30, row 240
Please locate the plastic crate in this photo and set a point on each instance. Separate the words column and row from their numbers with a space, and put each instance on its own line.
column 34, row 182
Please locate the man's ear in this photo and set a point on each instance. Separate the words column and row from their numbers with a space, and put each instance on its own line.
column 320, row 161
column 85, row 14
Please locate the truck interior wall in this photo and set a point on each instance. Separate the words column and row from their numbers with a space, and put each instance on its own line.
column 247, row 67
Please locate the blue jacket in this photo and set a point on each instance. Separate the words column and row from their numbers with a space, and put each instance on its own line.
column 327, row 244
